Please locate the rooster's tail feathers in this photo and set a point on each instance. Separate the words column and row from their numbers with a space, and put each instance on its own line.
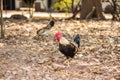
column 77, row 40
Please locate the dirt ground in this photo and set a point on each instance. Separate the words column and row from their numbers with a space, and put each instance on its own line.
column 22, row 57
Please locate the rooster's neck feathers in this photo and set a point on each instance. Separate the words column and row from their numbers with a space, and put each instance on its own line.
column 76, row 41
column 64, row 41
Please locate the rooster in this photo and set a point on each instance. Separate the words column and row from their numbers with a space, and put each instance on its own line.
column 46, row 29
column 69, row 49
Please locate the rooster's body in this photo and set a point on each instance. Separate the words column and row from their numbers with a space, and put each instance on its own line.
column 69, row 49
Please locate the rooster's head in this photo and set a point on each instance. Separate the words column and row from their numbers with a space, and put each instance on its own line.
column 58, row 35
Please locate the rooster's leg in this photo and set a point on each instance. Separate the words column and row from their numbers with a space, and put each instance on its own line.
column 68, row 61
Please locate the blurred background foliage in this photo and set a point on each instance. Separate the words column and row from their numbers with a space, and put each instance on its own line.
column 64, row 5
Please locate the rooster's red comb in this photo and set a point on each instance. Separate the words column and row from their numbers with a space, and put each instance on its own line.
column 58, row 35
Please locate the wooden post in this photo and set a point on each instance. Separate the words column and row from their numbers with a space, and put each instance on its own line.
column 2, row 24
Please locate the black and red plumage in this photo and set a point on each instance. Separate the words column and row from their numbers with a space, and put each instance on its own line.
column 69, row 49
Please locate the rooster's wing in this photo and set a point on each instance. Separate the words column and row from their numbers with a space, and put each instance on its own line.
column 68, row 50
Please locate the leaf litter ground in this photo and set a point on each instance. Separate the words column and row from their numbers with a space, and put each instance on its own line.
column 24, row 58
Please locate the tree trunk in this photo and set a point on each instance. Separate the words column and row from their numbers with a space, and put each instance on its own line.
column 90, row 9
column 75, row 10
column 72, row 6
column 2, row 25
